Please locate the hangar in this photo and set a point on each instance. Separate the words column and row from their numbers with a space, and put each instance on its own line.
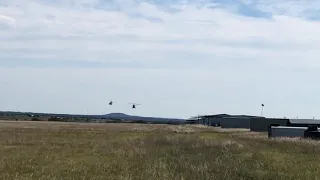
column 227, row 121
column 254, row 123
column 262, row 124
column 212, row 120
column 241, row 121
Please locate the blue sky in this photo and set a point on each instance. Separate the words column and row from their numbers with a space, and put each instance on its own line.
column 176, row 58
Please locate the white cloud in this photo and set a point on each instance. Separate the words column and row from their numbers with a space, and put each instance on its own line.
column 6, row 21
column 198, row 37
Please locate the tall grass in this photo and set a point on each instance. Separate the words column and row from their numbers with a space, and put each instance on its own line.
column 132, row 151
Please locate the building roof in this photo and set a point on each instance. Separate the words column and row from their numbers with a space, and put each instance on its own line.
column 288, row 127
column 217, row 115
column 231, row 116
column 242, row 117
column 304, row 121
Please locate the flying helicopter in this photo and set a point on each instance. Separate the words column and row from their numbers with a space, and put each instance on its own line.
column 111, row 103
column 134, row 105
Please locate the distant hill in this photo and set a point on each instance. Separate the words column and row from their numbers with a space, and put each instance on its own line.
column 116, row 115
column 122, row 116
column 111, row 116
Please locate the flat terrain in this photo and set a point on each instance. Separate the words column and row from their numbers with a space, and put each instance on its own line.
column 42, row 150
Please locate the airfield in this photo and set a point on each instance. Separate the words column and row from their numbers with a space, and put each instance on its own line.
column 70, row 150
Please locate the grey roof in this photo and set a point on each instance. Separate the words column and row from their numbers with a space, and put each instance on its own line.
column 241, row 117
column 231, row 116
column 217, row 115
column 288, row 127
column 304, row 121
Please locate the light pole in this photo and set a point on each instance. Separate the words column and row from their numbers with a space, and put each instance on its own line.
column 262, row 105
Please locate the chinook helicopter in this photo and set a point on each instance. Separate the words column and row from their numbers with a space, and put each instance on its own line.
column 134, row 105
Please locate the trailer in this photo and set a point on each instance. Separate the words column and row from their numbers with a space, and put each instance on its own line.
column 286, row 131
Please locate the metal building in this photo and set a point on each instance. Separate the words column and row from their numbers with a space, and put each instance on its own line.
column 286, row 131
column 227, row 121
column 262, row 124
column 235, row 122
column 212, row 120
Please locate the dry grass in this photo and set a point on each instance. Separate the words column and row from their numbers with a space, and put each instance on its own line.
column 42, row 150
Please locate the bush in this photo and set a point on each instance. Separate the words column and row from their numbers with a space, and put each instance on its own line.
column 35, row 119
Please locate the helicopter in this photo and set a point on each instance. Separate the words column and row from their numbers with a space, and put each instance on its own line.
column 110, row 103
column 134, row 105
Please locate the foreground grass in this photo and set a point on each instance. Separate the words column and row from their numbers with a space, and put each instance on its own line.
column 38, row 150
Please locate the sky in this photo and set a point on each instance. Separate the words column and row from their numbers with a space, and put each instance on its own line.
column 177, row 58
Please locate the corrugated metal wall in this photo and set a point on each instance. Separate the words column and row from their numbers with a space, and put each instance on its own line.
column 205, row 121
column 235, row 123
column 201, row 121
column 262, row 124
column 287, row 131
column 210, row 121
column 214, row 121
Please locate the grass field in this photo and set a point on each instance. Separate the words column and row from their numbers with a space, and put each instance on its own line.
column 42, row 150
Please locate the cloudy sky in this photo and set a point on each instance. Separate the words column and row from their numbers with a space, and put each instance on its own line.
column 176, row 58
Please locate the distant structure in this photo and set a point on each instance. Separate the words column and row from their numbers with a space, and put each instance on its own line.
column 254, row 123
column 262, row 106
column 226, row 120
column 134, row 105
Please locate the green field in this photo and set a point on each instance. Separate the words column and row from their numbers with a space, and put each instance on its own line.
column 43, row 150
